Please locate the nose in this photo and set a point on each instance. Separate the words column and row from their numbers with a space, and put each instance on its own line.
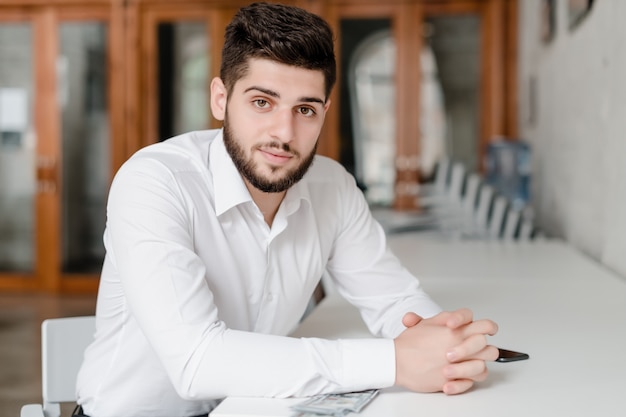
column 283, row 125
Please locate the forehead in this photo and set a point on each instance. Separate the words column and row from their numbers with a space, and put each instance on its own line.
column 286, row 80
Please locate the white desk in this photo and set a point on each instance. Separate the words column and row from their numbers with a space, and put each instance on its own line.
column 550, row 301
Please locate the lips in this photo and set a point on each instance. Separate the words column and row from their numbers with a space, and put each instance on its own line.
column 276, row 156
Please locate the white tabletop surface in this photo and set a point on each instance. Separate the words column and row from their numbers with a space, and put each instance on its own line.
column 550, row 301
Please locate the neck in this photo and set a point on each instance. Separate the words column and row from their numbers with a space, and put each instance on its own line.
column 268, row 203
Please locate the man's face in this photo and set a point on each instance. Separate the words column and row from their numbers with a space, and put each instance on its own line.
column 272, row 121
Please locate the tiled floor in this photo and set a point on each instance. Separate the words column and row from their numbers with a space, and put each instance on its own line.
column 20, row 354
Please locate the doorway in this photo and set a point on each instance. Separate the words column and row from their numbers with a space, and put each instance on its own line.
column 55, row 145
column 456, row 93
column 83, row 85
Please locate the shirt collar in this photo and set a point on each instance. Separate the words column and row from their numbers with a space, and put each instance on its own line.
column 230, row 190
column 297, row 193
column 229, row 187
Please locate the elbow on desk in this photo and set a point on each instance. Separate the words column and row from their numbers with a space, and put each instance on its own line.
column 190, row 389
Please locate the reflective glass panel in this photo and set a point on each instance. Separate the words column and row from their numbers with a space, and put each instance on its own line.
column 82, row 95
column 17, row 148
column 453, row 43
column 449, row 105
column 368, row 121
column 183, row 77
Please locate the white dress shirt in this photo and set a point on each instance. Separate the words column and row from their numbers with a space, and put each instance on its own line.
column 198, row 294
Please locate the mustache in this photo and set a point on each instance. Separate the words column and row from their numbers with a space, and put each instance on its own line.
column 277, row 145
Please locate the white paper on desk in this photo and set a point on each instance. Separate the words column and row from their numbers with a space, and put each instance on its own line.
column 255, row 407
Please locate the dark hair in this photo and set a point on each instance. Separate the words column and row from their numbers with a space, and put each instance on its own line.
column 285, row 34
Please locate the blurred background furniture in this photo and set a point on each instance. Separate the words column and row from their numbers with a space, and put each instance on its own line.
column 63, row 342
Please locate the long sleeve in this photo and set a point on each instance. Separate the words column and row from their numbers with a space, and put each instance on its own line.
column 198, row 295
column 164, row 279
column 372, row 278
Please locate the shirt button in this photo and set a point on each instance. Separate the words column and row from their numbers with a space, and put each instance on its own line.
column 270, row 297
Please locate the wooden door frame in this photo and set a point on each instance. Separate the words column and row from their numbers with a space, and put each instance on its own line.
column 151, row 17
column 498, row 89
column 405, row 32
column 143, row 16
column 132, row 100
column 46, row 16
column 18, row 281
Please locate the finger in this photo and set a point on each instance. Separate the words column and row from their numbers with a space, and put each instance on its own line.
column 411, row 319
column 458, row 386
column 489, row 353
column 452, row 319
column 440, row 319
column 475, row 369
column 467, row 349
column 459, row 318
column 484, row 326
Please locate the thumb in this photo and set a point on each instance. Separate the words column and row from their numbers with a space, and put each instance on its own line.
column 411, row 319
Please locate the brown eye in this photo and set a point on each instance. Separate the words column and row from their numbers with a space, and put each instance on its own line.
column 306, row 111
column 260, row 103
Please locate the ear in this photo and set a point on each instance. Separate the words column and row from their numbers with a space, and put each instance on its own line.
column 219, row 97
column 326, row 106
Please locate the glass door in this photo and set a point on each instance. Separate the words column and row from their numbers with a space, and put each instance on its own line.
column 183, row 77
column 369, row 67
column 472, row 54
column 379, row 82
column 179, row 54
column 451, row 80
column 55, row 146
column 420, row 81
column 18, row 151
column 85, row 143
column 366, row 99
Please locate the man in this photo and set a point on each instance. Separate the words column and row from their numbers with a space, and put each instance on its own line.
column 216, row 239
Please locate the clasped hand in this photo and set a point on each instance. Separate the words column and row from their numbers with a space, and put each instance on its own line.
column 446, row 352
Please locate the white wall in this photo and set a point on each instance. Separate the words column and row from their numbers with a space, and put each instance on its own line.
column 577, row 126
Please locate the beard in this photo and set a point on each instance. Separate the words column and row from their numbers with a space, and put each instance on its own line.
column 248, row 168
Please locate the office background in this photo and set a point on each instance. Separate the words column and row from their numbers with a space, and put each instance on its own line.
column 560, row 88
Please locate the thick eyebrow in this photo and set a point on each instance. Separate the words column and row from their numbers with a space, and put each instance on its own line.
column 272, row 93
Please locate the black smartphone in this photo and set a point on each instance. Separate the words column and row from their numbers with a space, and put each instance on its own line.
column 511, row 356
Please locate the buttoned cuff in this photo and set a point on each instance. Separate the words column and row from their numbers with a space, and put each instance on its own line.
column 368, row 363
